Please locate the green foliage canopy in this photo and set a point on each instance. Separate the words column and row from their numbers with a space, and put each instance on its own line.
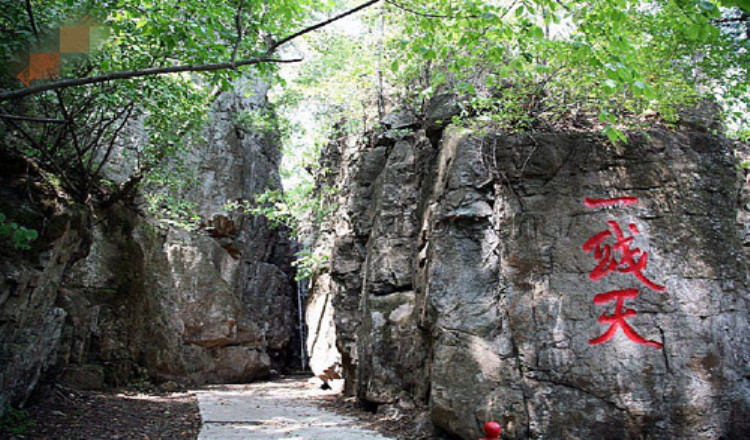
column 615, row 57
column 517, row 62
column 171, row 109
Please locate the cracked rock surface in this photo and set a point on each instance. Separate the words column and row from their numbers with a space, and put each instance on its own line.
column 458, row 282
column 107, row 298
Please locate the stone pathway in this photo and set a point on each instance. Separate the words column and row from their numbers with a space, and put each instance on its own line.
column 282, row 409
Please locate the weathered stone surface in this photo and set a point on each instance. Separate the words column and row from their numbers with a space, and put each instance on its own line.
column 319, row 314
column 30, row 322
column 473, row 294
column 107, row 297
column 158, row 304
column 186, row 306
column 440, row 112
column 372, row 234
column 84, row 377
column 332, row 335
column 743, row 213
column 400, row 120
column 389, row 323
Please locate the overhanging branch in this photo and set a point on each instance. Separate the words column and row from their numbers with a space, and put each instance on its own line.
column 744, row 18
column 314, row 27
column 129, row 74
column 30, row 119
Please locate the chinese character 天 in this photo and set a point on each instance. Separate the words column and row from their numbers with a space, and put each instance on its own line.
column 614, row 252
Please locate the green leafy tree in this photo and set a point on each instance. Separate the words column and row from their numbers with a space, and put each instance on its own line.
column 161, row 67
column 520, row 64
column 525, row 60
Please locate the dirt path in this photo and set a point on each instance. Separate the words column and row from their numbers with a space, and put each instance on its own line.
column 289, row 408
column 285, row 408
column 66, row 414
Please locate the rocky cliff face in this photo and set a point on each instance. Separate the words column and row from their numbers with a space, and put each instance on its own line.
column 115, row 299
column 30, row 322
column 470, row 275
column 214, row 306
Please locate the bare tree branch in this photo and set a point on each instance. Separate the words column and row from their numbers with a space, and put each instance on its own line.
column 112, row 140
column 30, row 13
column 743, row 18
column 33, row 142
column 72, row 130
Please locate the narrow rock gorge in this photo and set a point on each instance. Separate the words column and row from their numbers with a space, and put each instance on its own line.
column 465, row 263
column 471, row 276
column 106, row 297
column 529, row 213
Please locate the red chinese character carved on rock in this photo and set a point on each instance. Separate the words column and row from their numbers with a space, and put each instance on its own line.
column 629, row 261
column 617, row 320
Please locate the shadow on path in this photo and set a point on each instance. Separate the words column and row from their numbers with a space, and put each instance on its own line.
column 283, row 408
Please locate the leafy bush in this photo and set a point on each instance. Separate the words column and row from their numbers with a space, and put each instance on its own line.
column 307, row 263
column 16, row 422
column 169, row 210
column 21, row 236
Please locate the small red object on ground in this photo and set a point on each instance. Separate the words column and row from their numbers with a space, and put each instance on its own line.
column 492, row 431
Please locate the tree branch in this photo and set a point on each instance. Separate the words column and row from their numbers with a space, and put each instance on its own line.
column 238, row 25
column 744, row 18
column 427, row 14
column 314, row 27
column 72, row 131
column 30, row 119
column 60, row 173
column 30, row 13
column 412, row 11
column 112, row 141
column 128, row 74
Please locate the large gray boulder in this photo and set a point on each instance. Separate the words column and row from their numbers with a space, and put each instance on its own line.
column 514, row 310
column 475, row 297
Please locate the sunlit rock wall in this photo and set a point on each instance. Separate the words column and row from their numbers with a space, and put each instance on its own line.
column 213, row 305
column 475, row 297
column 109, row 297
